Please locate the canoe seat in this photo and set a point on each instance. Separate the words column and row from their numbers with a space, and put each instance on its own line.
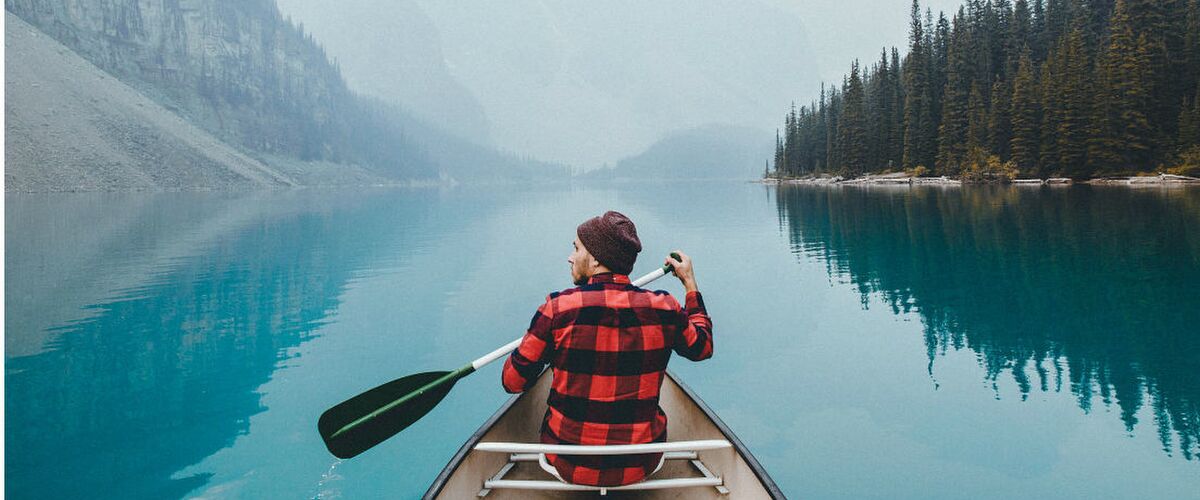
column 535, row 452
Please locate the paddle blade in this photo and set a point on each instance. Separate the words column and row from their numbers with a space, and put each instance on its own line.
column 376, row 430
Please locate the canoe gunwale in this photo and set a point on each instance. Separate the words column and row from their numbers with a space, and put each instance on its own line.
column 760, row 473
column 468, row 446
column 752, row 462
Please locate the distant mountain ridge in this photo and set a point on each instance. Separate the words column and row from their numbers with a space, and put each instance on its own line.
column 588, row 83
column 714, row 151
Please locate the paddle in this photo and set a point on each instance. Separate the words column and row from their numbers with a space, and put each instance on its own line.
column 365, row 420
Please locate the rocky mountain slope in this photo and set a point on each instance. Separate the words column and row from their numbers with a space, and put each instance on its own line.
column 238, row 71
column 71, row 126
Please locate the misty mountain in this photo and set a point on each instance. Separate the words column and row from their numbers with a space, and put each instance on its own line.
column 245, row 74
column 71, row 127
column 715, row 151
column 587, row 83
column 389, row 49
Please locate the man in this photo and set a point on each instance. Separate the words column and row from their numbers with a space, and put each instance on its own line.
column 608, row 343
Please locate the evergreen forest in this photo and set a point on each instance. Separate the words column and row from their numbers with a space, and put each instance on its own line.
column 1029, row 88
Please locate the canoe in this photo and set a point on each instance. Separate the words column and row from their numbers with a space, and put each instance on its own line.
column 738, row 473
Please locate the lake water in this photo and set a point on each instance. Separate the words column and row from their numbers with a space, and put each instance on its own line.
column 974, row 342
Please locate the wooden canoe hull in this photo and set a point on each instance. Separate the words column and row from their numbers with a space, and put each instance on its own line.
column 520, row 418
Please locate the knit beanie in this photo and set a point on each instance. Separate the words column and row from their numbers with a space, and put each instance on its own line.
column 612, row 239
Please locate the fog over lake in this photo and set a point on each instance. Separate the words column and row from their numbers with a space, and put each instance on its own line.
column 590, row 83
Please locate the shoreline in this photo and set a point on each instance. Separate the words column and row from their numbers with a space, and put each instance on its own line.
column 903, row 179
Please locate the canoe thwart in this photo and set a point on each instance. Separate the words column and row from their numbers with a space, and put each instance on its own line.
column 620, row 449
column 670, row 455
column 652, row 484
column 534, row 452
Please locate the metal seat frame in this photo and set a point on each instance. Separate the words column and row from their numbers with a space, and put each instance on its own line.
column 531, row 452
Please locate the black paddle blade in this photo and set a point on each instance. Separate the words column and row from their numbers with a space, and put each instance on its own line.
column 372, row 432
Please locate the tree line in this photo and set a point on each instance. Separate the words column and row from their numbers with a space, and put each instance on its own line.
column 1077, row 88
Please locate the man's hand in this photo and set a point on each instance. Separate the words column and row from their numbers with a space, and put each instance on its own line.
column 683, row 270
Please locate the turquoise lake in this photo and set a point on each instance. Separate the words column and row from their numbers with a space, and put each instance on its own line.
column 870, row 342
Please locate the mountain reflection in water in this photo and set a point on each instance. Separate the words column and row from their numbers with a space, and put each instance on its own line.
column 1085, row 288
column 215, row 288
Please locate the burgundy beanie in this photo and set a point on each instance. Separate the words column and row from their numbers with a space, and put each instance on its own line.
column 612, row 239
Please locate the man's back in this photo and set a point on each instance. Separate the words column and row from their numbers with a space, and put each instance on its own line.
column 608, row 343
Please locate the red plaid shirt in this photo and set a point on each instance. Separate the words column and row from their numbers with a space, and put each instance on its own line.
column 608, row 343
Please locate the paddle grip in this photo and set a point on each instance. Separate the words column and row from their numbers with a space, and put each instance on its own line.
column 667, row 268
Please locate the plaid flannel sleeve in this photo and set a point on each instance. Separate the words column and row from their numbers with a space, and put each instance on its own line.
column 695, row 330
column 526, row 363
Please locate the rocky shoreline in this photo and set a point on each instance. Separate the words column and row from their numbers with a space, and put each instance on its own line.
column 904, row 179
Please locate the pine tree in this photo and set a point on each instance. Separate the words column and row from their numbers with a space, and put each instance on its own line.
column 896, row 147
column 1075, row 106
column 1038, row 43
column 881, row 113
column 939, row 59
column 952, row 133
column 1025, row 104
column 820, row 135
column 1056, row 23
column 1175, row 38
column 852, row 126
column 917, row 137
column 978, row 24
column 1092, row 17
column 977, row 130
column 779, row 160
column 1019, row 35
column 1119, row 135
column 1155, row 100
column 1002, row 43
column 791, row 143
column 999, row 123
column 833, row 114
column 1189, row 123
column 1191, row 44
column 930, row 31
column 1148, row 19
column 1052, row 110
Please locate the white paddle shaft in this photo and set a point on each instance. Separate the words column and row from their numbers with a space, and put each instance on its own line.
column 497, row 354
column 651, row 276
column 503, row 351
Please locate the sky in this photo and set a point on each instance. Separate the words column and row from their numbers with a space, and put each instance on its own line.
column 843, row 30
column 589, row 83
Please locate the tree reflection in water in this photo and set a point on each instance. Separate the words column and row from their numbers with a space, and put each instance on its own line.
column 1089, row 288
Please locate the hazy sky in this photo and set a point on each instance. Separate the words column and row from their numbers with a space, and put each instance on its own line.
column 841, row 30
column 589, row 83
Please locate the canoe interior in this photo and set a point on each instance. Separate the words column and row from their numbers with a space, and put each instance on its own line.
column 688, row 419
